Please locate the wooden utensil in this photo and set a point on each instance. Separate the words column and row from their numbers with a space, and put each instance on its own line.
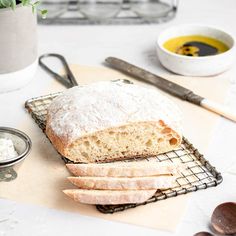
column 203, row 233
column 223, row 218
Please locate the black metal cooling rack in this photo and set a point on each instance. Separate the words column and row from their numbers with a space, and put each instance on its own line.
column 200, row 174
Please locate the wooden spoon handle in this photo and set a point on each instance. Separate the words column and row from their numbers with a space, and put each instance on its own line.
column 219, row 109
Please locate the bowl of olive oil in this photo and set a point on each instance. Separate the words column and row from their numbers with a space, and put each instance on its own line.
column 196, row 50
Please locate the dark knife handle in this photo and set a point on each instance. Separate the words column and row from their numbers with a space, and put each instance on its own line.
column 163, row 84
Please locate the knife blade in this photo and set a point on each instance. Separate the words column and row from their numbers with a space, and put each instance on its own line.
column 169, row 87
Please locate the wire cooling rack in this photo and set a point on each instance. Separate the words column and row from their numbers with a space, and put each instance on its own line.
column 200, row 174
column 68, row 12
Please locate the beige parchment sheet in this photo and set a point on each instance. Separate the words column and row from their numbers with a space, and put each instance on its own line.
column 42, row 177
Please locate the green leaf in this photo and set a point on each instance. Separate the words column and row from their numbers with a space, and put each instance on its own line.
column 25, row 2
column 1, row 4
column 6, row 3
column 44, row 13
column 36, row 3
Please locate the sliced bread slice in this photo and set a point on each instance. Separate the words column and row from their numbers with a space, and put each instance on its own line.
column 114, row 183
column 125, row 169
column 108, row 197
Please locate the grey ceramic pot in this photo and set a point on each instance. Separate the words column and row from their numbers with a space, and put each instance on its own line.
column 18, row 47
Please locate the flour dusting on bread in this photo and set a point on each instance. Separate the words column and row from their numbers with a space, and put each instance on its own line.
column 107, row 121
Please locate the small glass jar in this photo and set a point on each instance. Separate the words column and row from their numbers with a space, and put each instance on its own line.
column 99, row 9
column 159, row 10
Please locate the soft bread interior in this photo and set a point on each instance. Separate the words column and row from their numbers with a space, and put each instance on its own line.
column 131, row 140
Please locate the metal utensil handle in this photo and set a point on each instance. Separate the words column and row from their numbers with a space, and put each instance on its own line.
column 148, row 77
column 170, row 87
column 70, row 81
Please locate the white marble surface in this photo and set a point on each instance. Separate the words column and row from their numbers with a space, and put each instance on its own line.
column 90, row 45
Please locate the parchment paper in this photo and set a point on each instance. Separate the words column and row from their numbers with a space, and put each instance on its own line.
column 42, row 177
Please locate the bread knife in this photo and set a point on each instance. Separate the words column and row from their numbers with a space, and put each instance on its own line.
column 170, row 87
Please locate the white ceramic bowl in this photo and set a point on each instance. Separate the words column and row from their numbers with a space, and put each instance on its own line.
column 196, row 66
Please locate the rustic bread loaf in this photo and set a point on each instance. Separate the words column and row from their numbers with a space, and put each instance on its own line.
column 106, row 197
column 124, row 183
column 107, row 121
column 125, row 169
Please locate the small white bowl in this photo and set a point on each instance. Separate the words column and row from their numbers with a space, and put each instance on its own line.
column 196, row 66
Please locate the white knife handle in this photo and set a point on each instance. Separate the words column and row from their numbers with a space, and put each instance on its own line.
column 219, row 109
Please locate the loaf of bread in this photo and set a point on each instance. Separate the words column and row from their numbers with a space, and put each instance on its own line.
column 107, row 121
column 125, row 169
column 124, row 183
column 106, row 197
